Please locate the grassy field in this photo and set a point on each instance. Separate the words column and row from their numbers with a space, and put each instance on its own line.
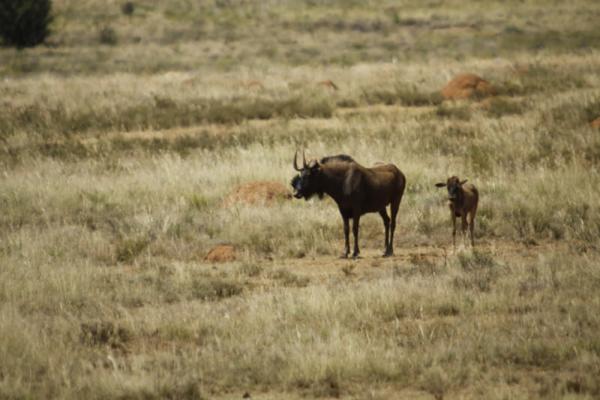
column 121, row 138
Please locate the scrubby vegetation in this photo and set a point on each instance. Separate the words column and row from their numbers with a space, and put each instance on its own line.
column 119, row 149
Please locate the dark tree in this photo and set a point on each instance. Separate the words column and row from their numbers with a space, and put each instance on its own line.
column 24, row 23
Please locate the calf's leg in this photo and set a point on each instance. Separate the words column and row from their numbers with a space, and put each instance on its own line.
column 472, row 227
column 453, row 216
column 464, row 227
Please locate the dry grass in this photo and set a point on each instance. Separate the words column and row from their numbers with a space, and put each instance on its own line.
column 116, row 161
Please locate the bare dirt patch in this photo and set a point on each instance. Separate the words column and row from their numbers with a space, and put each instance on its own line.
column 595, row 123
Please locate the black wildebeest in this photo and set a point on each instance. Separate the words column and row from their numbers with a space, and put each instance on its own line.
column 462, row 200
column 357, row 190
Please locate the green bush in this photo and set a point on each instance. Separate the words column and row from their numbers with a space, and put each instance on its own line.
column 24, row 23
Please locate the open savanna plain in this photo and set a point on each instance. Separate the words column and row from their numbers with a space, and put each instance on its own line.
column 123, row 138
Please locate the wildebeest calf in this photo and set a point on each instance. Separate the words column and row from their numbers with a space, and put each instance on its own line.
column 462, row 200
column 357, row 190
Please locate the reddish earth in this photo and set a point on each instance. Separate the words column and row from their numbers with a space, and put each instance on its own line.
column 466, row 86
column 260, row 192
column 328, row 84
column 253, row 84
column 595, row 123
column 221, row 253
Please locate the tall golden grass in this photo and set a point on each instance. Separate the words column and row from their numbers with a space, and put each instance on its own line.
column 116, row 160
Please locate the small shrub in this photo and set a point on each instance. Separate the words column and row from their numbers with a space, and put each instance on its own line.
column 448, row 310
column 410, row 96
column 478, row 158
column 400, row 93
column 425, row 221
column 327, row 387
column 592, row 111
column 347, row 102
column 499, row 107
column 211, row 289
column 128, row 8
column 480, row 271
column 96, row 211
column 129, row 248
column 190, row 389
column 108, row 36
column 290, row 279
column 573, row 115
column 459, row 132
column 436, row 382
column 476, row 260
column 348, row 269
column 251, row 269
column 540, row 79
column 198, row 202
column 24, row 23
column 104, row 333
column 538, row 353
column 448, row 110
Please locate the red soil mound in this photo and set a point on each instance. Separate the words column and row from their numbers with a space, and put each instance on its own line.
column 466, row 86
column 595, row 123
column 261, row 192
column 221, row 253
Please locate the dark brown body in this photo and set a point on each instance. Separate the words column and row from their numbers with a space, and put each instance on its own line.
column 357, row 190
column 463, row 199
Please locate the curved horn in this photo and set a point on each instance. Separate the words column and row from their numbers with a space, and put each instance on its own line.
column 295, row 163
column 303, row 159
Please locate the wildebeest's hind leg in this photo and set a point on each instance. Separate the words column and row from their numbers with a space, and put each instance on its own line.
column 394, row 209
column 346, row 217
column 355, row 222
column 464, row 227
column 386, row 224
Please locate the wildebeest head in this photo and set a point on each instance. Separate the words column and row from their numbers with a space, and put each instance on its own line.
column 306, row 183
column 453, row 184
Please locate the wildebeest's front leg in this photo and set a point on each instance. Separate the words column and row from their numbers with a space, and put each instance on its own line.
column 355, row 222
column 346, row 237
column 394, row 209
column 386, row 224
column 453, row 216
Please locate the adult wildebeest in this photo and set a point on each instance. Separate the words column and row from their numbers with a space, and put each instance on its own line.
column 357, row 190
column 462, row 200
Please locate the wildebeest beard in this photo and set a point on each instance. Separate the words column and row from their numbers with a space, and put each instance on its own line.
column 296, row 181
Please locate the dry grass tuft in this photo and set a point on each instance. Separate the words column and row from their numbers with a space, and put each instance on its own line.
column 258, row 193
